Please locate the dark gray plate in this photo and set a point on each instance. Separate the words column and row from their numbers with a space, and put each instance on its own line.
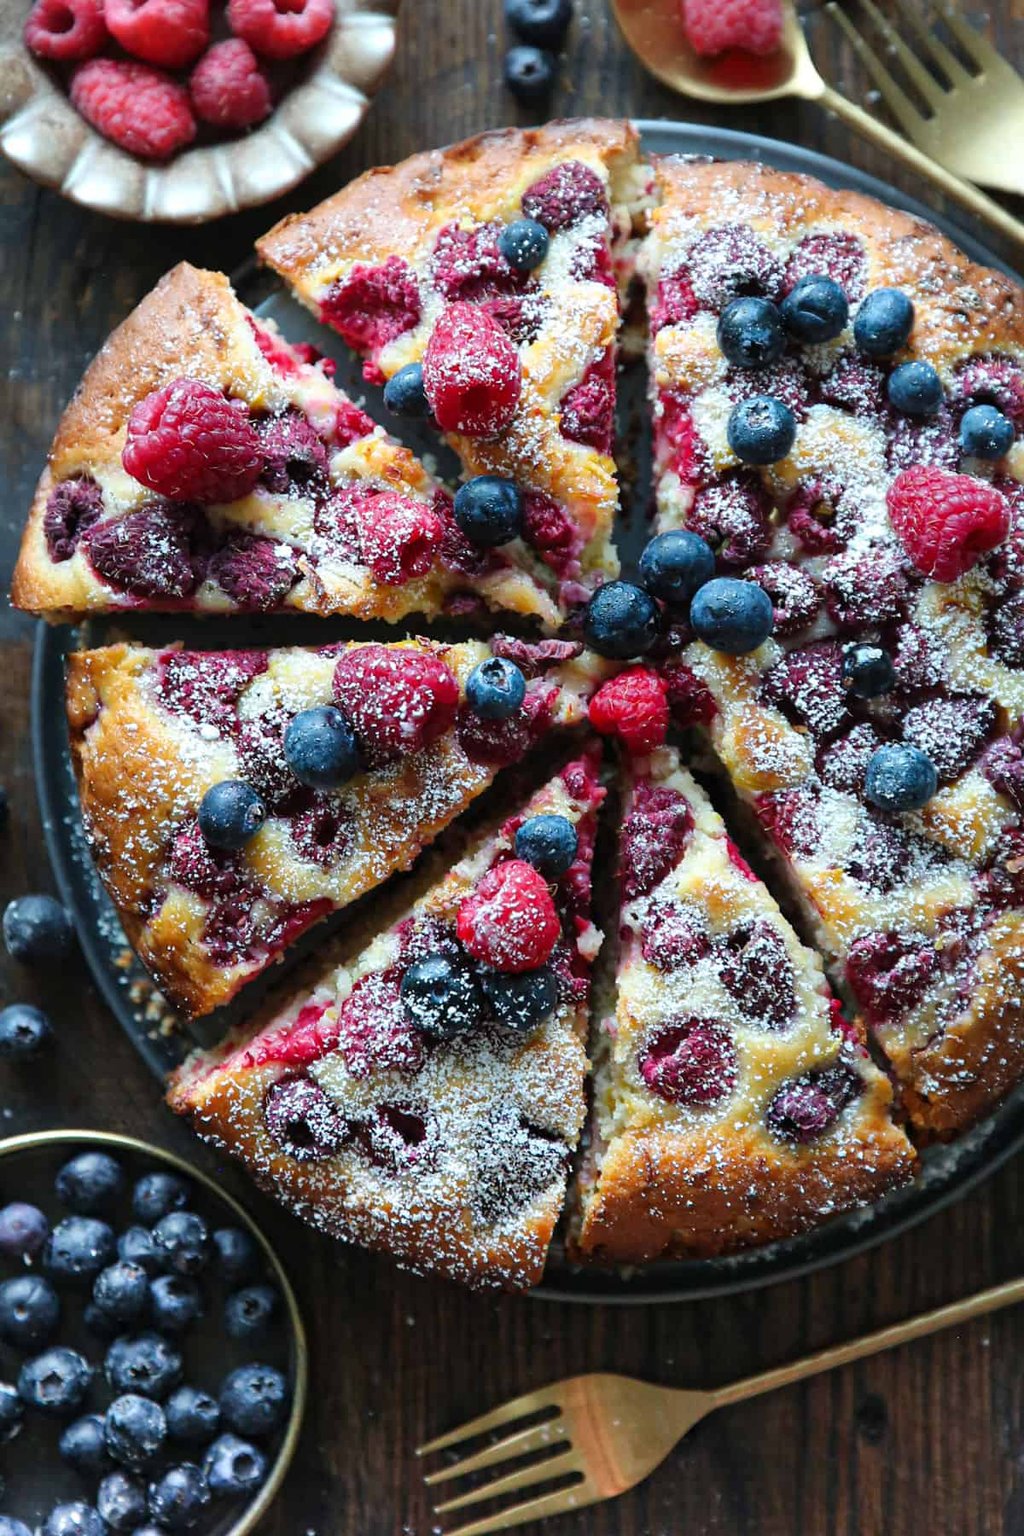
column 946, row 1174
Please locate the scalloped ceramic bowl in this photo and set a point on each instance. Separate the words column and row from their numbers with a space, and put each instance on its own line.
column 44, row 136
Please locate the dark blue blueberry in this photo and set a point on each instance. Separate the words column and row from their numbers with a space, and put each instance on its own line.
column 732, row 615
column 157, row 1194
column 230, row 813
column 522, row 1001
column 320, row 748
column 11, row 1527
column 440, row 997
column 178, row 1498
column 135, row 1430
column 495, row 689
column 883, row 322
column 816, row 309
column 675, row 564
column 549, row 843
column 37, row 929
column 489, row 510
column 751, row 333
column 529, row 72
column 175, row 1302
column 985, row 433
column 900, row 778
column 12, row 1412
column 254, row 1399
column 77, row 1519
column 121, row 1291
column 761, row 430
column 192, row 1416
column 544, row 22
column 249, row 1313
column 233, row 1466
column 121, row 1501
column 236, row 1254
column 24, row 1031
column 183, row 1240
column 29, row 1311
column 868, row 671
column 136, row 1246
column 78, row 1248
column 23, row 1230
column 90, row 1183
column 915, row 389
column 621, row 620
column 404, row 394
column 83, row 1446
column 145, row 1363
column 56, row 1381
column 524, row 244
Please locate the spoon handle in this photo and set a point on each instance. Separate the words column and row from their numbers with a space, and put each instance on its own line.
column 962, row 192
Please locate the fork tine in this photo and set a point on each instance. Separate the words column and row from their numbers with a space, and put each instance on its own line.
column 507, row 1413
column 910, row 119
column 558, row 1503
column 533, row 1476
column 932, row 92
column 976, row 46
column 933, row 45
column 538, row 1438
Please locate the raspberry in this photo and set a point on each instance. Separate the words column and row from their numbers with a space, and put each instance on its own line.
column 588, row 409
column 757, row 972
column 674, row 302
column 256, row 573
column 795, row 595
column 322, row 833
column 398, row 700
column 866, row 589
column 373, row 305
column 471, row 373
column 71, row 508
column 303, row 1121
column 690, row 699
column 806, row 685
column 995, row 381
column 337, row 521
column 375, row 1032
column 564, row 195
column 548, row 529
column 843, row 764
column 467, row 264
column 1006, row 629
column 139, row 109
column 712, row 26
column 281, row 29
column 207, row 686
column 534, row 657
column 350, row 423
column 952, row 731
column 509, row 922
column 655, row 833
column 400, row 537
column 192, row 863
column 693, row 1062
column 946, row 522
column 168, row 33
column 881, row 855
column 634, row 707
column 809, row 1106
column 229, row 88
column 841, row 257
column 677, row 442
column 889, row 974
column 147, row 554
column 733, row 517
column 65, row 29
column 497, row 743
column 731, row 260
column 1003, row 766
column 294, row 456
column 189, row 442
column 673, row 939
column 854, row 384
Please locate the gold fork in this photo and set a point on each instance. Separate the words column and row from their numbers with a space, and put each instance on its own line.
column 607, row 1433
column 972, row 118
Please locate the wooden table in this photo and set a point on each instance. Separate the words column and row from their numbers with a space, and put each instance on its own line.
column 930, row 1439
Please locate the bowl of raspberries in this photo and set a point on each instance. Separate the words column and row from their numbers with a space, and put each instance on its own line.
column 184, row 110
column 152, row 1359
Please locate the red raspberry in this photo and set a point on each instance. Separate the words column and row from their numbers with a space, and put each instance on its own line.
column 170, row 33
column 588, row 409
column 509, row 922
column 373, row 305
column 65, row 29
column 946, row 522
column 280, row 29
column 229, row 88
column 189, row 442
column 674, row 302
column 634, row 707
column 690, row 1062
column 139, row 109
column 397, row 700
column 471, row 373
column 548, row 529
column 564, row 195
column 256, row 573
column 712, row 26
column 72, row 507
column 400, row 537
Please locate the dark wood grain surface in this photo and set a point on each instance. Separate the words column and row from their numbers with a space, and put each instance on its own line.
column 927, row 1440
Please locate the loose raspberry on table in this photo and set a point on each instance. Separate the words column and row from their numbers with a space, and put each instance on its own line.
column 147, row 554
column 712, row 26
column 588, row 409
column 945, row 521
column 692, row 1062
column 400, row 537
column 189, row 442
column 397, row 700
column 72, row 507
column 281, row 29
column 229, row 87
column 471, row 373
column 564, row 195
column 139, row 109
column 256, row 573
column 373, row 305
column 168, row 33
column 633, row 707
column 509, row 922
column 65, row 29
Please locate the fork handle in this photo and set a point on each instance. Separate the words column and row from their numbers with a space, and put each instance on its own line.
column 999, row 1296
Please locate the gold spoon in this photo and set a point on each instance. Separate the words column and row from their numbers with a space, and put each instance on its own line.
column 653, row 29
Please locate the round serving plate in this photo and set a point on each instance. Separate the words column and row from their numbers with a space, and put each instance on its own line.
column 947, row 1172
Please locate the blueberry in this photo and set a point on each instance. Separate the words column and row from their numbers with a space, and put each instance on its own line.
column 158, row 1194
column 621, row 620
column 441, row 998
column 145, row 1363
column 731, row 615
column 192, row 1415
column 230, row 813
column 404, row 394
column 489, row 510
column 883, row 322
column 183, row 1239
column 37, row 929
column 136, row 1246
column 249, row 1313
column 78, row 1248
column 549, row 843
column 134, row 1430
column 675, row 564
column 815, row 309
column 524, row 244
column 83, row 1446
column 495, row 689
column 56, row 1381
column 522, row 1001
column 233, row 1466
column 320, row 748
column 985, row 433
column 529, row 72
column 177, row 1500
column 121, row 1291
column 77, row 1519
column 544, row 22
column 751, row 333
column 254, row 1399
column 24, row 1031
column 900, row 778
column 29, row 1311
column 236, row 1254
column 868, row 671
column 11, row 1527
column 915, row 389
column 761, row 430
column 176, row 1302
column 90, row 1183
column 121, row 1501
column 23, row 1230
column 12, row 1412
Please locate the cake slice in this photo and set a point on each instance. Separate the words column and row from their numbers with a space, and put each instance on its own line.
column 233, row 798
column 206, row 465
column 427, row 263
column 733, row 1104
column 424, row 1097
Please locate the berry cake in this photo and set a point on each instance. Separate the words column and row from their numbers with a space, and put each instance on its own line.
column 234, row 798
column 483, row 281
column 426, row 1096
column 733, row 1104
column 207, row 465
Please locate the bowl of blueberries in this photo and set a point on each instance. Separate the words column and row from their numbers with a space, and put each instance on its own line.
column 153, row 1363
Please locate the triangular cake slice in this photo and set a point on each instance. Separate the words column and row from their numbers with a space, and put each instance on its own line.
column 416, row 1099
column 733, row 1103
column 153, row 731
column 392, row 261
column 256, row 486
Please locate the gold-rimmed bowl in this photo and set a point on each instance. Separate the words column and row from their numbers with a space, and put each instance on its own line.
column 28, row 1165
